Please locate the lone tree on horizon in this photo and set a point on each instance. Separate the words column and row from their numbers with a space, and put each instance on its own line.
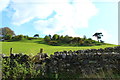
column 6, row 31
column 98, row 35
column 36, row 35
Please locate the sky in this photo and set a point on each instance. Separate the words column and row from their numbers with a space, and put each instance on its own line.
column 64, row 17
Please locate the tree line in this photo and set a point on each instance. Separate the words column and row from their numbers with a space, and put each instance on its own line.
column 57, row 40
column 6, row 34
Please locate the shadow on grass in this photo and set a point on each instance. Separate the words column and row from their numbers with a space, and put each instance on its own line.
column 40, row 42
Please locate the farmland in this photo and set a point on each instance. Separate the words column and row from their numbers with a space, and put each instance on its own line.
column 33, row 47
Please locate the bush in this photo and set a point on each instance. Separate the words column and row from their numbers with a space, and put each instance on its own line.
column 17, row 38
column 47, row 38
column 26, row 37
column 30, row 38
column 14, row 68
column 7, row 37
column 54, row 43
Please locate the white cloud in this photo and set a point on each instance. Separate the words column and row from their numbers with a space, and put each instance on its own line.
column 26, row 12
column 69, row 16
column 3, row 4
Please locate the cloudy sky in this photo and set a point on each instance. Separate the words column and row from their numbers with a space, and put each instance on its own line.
column 64, row 17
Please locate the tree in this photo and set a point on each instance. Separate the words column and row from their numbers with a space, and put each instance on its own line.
column 8, row 37
column 6, row 31
column 87, row 42
column 61, row 38
column 98, row 35
column 67, row 39
column 89, row 38
column 26, row 37
column 20, row 37
column 75, row 40
column 50, row 36
column 55, row 37
column 47, row 38
column 84, row 37
column 81, row 42
column 36, row 35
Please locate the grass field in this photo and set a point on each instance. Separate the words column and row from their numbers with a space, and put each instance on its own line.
column 33, row 47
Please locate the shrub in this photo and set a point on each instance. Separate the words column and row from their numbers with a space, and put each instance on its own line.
column 30, row 38
column 54, row 43
column 7, row 37
column 13, row 69
column 47, row 38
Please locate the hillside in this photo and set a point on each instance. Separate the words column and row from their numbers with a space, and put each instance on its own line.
column 33, row 47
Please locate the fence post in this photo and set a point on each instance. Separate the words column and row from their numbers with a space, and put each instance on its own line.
column 41, row 50
column 11, row 51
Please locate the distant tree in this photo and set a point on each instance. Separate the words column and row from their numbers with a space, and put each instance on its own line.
column 36, row 35
column 6, row 31
column 98, row 36
column 61, row 38
column 89, row 38
column 20, row 37
column 8, row 37
column 50, row 36
column 84, row 37
column 66, row 39
column 47, row 38
column 55, row 37
column 15, row 38
column 81, row 42
column 26, row 37
column 87, row 42
column 76, row 39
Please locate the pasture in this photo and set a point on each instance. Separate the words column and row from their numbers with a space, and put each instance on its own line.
column 32, row 47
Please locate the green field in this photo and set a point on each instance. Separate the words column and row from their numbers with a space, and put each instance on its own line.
column 33, row 47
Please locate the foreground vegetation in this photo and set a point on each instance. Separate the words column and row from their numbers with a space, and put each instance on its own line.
column 33, row 47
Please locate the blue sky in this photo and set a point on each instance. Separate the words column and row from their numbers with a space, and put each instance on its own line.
column 64, row 17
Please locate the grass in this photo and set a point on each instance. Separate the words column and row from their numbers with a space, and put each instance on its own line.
column 33, row 47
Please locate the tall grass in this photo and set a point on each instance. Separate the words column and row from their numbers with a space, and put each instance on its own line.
column 18, row 71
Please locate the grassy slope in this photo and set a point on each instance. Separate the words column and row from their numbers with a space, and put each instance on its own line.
column 33, row 46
